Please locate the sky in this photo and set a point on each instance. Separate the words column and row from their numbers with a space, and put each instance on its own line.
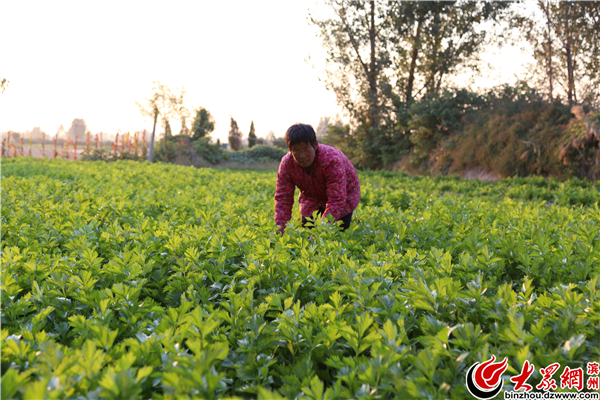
column 255, row 61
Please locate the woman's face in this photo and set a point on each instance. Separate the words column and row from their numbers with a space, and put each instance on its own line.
column 304, row 153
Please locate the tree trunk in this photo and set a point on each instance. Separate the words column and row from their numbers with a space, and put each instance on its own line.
column 373, row 71
column 568, row 34
column 151, row 151
column 550, row 71
column 434, row 67
column 413, row 61
column 165, row 138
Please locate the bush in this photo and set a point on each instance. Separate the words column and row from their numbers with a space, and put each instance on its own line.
column 105, row 155
column 280, row 143
column 212, row 153
column 258, row 154
column 433, row 119
column 159, row 150
column 366, row 147
column 580, row 150
column 517, row 134
column 415, row 128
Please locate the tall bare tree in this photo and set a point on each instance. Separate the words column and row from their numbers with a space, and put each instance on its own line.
column 357, row 56
column 384, row 54
column 565, row 39
column 166, row 103
column 434, row 39
column 395, row 50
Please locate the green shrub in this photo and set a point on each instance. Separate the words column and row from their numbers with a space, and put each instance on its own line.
column 106, row 155
column 136, row 280
column 258, row 154
column 517, row 134
column 213, row 153
column 159, row 150
column 580, row 150
column 509, row 131
column 433, row 119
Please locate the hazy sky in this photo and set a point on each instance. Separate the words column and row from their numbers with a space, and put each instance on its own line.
column 94, row 60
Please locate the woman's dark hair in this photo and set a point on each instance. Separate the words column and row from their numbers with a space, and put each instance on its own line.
column 300, row 133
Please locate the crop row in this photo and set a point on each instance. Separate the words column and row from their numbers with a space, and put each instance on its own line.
column 130, row 280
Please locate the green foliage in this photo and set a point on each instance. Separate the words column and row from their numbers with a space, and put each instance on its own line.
column 159, row 150
column 119, row 281
column 252, row 136
column 418, row 128
column 168, row 131
column 235, row 135
column 338, row 136
column 369, row 148
column 203, row 125
column 384, row 55
column 433, row 119
column 280, row 143
column 516, row 134
column 258, row 154
column 210, row 152
column 580, row 150
column 106, row 155
column 509, row 131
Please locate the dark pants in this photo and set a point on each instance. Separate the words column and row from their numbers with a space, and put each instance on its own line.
column 345, row 220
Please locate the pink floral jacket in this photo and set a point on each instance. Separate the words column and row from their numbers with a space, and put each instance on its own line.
column 332, row 185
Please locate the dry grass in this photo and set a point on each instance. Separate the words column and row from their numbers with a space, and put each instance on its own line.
column 479, row 174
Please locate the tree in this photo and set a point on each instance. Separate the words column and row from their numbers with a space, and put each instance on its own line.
column 182, row 111
column 252, row 136
column 203, row 125
column 565, row 38
column 61, row 131
column 167, row 103
column 382, row 55
column 431, row 40
column 357, row 51
column 184, row 129
column 78, row 129
column 235, row 136
column 168, row 131
column 321, row 130
column 3, row 84
column 15, row 136
column 270, row 136
column 36, row 133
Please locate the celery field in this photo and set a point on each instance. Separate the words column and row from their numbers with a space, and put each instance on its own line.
column 132, row 280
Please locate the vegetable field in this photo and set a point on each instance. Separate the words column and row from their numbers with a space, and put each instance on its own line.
column 130, row 280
